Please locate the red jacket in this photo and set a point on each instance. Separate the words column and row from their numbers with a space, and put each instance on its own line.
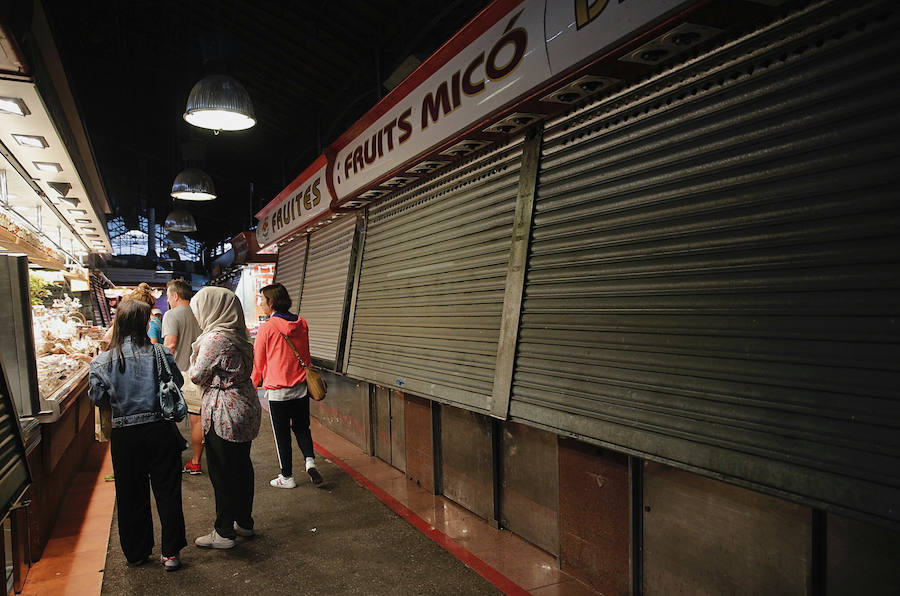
column 273, row 360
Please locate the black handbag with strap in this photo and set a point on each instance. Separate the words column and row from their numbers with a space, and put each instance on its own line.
column 171, row 402
column 315, row 384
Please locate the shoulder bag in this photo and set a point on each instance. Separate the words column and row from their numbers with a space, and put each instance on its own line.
column 171, row 401
column 315, row 384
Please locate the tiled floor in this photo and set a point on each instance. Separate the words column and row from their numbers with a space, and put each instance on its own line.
column 505, row 555
column 74, row 558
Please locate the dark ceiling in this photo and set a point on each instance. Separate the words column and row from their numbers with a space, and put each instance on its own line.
column 312, row 68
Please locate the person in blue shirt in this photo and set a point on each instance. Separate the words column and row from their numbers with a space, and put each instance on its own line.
column 154, row 330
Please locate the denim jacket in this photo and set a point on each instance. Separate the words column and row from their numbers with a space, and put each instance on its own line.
column 133, row 394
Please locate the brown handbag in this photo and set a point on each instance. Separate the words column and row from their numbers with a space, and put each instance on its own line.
column 315, row 384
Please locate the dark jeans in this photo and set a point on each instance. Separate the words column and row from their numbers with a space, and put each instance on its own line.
column 231, row 473
column 148, row 455
column 292, row 414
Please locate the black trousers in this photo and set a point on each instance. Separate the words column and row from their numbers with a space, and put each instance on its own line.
column 292, row 414
column 231, row 473
column 148, row 455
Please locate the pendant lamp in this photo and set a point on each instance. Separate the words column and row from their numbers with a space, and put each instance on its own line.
column 193, row 184
column 180, row 220
column 218, row 102
column 177, row 240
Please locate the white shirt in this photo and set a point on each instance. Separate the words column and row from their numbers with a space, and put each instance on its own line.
column 287, row 393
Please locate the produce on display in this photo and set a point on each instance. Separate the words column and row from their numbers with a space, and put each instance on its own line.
column 64, row 344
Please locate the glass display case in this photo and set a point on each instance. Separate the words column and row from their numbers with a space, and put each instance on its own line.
column 63, row 344
column 46, row 350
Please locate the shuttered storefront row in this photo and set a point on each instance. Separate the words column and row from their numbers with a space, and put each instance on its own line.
column 431, row 286
column 325, row 287
column 290, row 268
column 714, row 277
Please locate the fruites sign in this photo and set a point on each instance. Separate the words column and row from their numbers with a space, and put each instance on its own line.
column 305, row 199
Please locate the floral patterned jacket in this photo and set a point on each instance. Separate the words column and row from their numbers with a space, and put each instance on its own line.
column 230, row 403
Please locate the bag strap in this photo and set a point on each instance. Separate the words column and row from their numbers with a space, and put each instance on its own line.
column 294, row 349
column 161, row 361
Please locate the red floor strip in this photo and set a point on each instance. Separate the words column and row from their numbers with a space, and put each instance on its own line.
column 483, row 569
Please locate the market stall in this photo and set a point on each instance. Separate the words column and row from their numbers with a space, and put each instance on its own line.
column 52, row 216
column 245, row 269
column 46, row 355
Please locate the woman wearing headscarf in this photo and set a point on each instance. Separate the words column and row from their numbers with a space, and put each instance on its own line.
column 145, row 448
column 221, row 363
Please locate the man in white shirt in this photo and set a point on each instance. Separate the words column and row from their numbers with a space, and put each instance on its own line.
column 180, row 329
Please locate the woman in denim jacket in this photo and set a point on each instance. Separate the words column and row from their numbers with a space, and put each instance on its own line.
column 145, row 448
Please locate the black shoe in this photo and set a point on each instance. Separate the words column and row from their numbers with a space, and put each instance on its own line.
column 139, row 562
column 314, row 476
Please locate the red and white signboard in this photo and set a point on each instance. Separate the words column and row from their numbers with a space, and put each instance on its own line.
column 509, row 50
column 481, row 77
column 578, row 29
column 304, row 200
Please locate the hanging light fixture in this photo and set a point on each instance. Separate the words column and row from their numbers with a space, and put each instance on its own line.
column 193, row 184
column 218, row 102
column 180, row 220
column 177, row 240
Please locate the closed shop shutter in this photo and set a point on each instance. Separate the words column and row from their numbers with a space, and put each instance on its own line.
column 431, row 286
column 714, row 277
column 14, row 474
column 325, row 288
column 290, row 267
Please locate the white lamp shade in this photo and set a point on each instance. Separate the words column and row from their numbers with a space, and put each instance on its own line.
column 180, row 220
column 193, row 184
column 218, row 102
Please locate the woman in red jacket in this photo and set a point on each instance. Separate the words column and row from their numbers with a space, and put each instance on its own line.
column 284, row 380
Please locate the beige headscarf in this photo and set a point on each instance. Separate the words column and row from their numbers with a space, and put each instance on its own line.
column 218, row 309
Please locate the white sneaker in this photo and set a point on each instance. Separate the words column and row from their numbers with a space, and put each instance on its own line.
column 282, row 482
column 241, row 531
column 213, row 540
column 171, row 563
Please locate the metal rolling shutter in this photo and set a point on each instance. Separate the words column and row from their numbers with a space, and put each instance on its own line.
column 290, row 267
column 714, row 276
column 15, row 476
column 430, row 294
column 325, row 288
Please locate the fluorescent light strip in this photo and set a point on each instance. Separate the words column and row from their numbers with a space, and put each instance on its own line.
column 13, row 105
column 48, row 166
column 34, row 141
